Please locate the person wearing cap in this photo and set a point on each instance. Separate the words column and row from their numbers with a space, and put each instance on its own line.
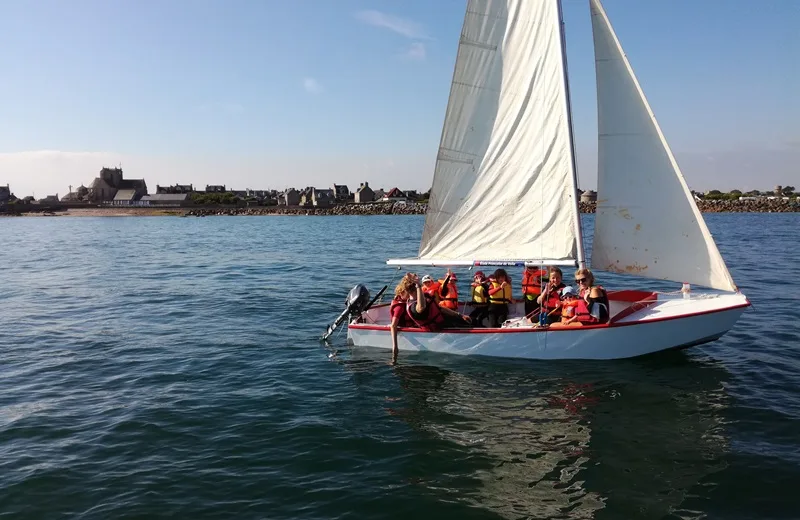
column 479, row 299
column 448, row 292
column 430, row 287
column 569, row 306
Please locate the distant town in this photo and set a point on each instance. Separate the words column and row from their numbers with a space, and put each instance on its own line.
column 111, row 189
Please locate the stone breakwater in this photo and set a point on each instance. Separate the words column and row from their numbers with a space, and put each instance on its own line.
column 706, row 206
column 343, row 209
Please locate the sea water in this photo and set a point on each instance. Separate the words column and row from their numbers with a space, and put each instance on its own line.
column 170, row 368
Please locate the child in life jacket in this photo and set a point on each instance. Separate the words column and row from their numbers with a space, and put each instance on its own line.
column 448, row 291
column 574, row 310
column 430, row 287
column 479, row 299
column 569, row 306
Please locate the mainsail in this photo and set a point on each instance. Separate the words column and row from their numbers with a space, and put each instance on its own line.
column 504, row 185
column 647, row 223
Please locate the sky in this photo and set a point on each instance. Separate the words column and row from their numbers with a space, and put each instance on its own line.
column 269, row 94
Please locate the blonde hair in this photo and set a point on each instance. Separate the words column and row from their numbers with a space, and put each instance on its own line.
column 406, row 285
column 587, row 274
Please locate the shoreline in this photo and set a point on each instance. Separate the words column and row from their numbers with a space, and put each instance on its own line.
column 705, row 206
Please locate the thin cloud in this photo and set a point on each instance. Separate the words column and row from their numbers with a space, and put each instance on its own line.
column 312, row 86
column 403, row 26
column 416, row 52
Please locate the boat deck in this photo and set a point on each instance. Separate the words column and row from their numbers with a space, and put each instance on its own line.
column 626, row 307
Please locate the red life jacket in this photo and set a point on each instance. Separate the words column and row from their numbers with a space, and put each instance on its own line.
column 405, row 319
column 602, row 303
column 432, row 289
column 433, row 318
column 554, row 299
column 582, row 311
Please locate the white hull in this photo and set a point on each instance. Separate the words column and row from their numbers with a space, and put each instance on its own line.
column 637, row 328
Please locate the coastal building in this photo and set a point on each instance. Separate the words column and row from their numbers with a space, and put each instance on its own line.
column 5, row 194
column 105, row 187
column 589, row 196
column 411, row 194
column 779, row 190
column 322, row 198
column 81, row 193
column 215, row 188
column 50, row 199
column 394, row 195
column 364, row 193
column 378, row 194
column 305, row 196
column 341, row 192
column 290, row 197
column 126, row 197
column 166, row 199
column 178, row 188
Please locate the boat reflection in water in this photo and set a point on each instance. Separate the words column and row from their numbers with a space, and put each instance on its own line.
column 639, row 438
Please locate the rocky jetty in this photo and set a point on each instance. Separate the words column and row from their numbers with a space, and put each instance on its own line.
column 342, row 209
column 750, row 206
column 706, row 206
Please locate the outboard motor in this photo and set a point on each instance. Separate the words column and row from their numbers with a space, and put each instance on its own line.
column 357, row 300
column 357, row 303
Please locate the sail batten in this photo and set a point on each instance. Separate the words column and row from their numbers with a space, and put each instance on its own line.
column 503, row 184
column 647, row 223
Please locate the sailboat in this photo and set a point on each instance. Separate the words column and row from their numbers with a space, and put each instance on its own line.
column 505, row 194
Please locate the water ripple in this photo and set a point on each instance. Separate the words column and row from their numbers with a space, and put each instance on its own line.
column 168, row 367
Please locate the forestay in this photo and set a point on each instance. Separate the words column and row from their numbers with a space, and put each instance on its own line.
column 503, row 187
column 647, row 223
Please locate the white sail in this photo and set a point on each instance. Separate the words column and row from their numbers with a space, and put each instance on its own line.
column 504, row 183
column 647, row 222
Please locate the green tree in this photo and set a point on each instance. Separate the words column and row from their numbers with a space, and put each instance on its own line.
column 787, row 191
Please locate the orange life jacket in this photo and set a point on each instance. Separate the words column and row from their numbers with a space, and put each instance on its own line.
column 569, row 309
column 451, row 300
column 532, row 283
column 432, row 289
column 433, row 318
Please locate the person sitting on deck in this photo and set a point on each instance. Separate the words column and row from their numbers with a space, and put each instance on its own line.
column 569, row 307
column 479, row 299
column 499, row 298
column 398, row 310
column 448, row 292
column 532, row 281
column 430, row 287
column 550, row 299
column 595, row 296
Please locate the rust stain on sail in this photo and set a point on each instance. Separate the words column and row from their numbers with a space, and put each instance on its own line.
column 624, row 214
column 628, row 269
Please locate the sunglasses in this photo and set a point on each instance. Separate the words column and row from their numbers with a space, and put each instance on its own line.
column 580, row 280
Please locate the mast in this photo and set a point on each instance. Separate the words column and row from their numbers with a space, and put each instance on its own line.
column 578, row 228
